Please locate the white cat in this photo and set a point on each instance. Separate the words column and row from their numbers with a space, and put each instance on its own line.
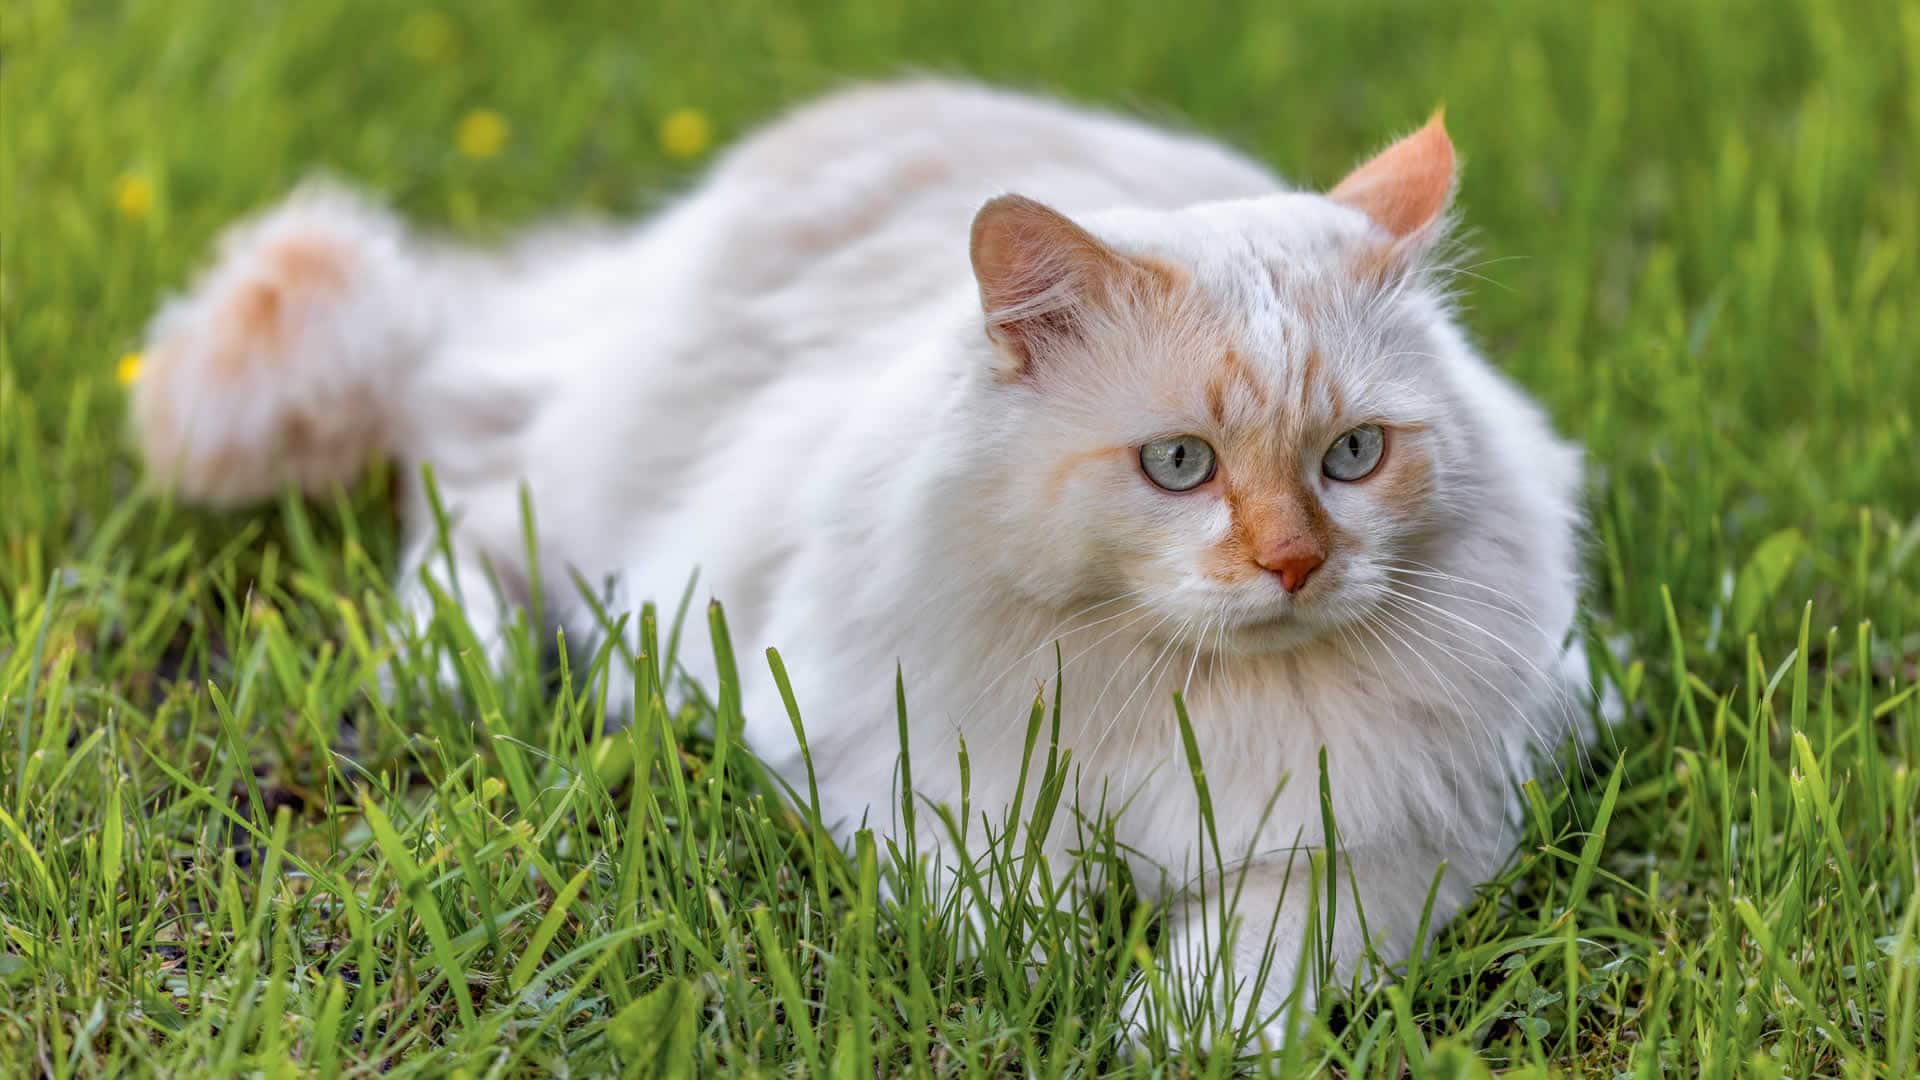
column 1206, row 432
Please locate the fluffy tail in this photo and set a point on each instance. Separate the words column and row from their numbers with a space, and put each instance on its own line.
column 289, row 360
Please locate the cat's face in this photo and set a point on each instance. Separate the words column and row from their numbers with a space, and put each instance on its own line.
column 1224, row 422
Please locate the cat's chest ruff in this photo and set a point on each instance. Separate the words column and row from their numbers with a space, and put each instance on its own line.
column 1313, row 693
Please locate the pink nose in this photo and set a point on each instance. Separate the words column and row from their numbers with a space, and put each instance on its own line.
column 1294, row 567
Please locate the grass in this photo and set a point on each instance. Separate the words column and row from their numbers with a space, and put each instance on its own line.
column 220, row 853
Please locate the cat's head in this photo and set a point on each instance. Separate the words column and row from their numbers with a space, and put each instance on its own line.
column 1232, row 420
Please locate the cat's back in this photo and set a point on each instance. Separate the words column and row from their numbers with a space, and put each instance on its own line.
column 874, row 187
column 927, row 136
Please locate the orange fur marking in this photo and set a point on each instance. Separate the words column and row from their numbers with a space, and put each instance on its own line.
column 308, row 264
column 249, row 325
column 1310, row 374
column 1232, row 368
column 1405, row 475
column 1269, row 523
column 254, row 322
column 1377, row 266
column 256, row 311
column 1235, row 367
column 1073, row 463
column 1169, row 278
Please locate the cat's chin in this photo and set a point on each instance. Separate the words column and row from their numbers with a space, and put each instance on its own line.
column 1280, row 631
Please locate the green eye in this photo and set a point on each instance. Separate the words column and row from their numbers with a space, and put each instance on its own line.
column 1181, row 463
column 1355, row 454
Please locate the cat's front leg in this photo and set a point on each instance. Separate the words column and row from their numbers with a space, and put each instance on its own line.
column 1248, row 952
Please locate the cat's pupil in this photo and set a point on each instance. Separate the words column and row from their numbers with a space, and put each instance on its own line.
column 1353, row 444
column 1179, row 456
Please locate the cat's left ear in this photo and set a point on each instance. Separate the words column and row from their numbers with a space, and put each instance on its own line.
column 1406, row 188
column 1039, row 275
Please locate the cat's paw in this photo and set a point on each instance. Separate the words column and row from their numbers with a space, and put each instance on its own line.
column 281, row 362
column 1202, row 1006
column 1144, row 1036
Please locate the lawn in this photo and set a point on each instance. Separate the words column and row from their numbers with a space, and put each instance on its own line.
column 223, row 851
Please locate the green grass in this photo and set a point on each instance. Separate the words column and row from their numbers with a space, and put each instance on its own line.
column 220, row 853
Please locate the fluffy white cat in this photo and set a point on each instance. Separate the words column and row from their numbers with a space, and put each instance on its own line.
column 1206, row 432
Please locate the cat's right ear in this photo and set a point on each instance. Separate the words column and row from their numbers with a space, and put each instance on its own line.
column 1037, row 272
column 1407, row 187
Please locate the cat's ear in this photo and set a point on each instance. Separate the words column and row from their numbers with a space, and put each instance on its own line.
column 1405, row 188
column 1037, row 272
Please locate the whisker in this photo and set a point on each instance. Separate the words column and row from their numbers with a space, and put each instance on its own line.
column 1004, row 729
column 1446, row 685
column 1122, row 666
column 1518, row 712
column 1146, row 710
column 1416, row 568
column 1054, row 635
column 1552, row 683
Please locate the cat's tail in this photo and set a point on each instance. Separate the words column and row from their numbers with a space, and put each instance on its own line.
column 289, row 361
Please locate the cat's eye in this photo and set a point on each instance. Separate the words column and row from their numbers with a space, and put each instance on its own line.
column 1181, row 463
column 1355, row 454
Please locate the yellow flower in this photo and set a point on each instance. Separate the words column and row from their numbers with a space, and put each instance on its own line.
column 128, row 370
column 685, row 133
column 481, row 134
column 133, row 196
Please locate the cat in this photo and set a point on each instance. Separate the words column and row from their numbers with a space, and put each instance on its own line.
column 935, row 375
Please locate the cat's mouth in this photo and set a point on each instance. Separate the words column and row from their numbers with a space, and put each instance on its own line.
column 1273, row 629
column 1278, row 624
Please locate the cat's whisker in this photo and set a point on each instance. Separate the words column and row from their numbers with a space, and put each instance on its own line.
column 1173, row 640
column 1094, row 712
column 1518, row 712
column 1417, row 568
column 1470, row 719
column 1486, row 595
column 1520, row 618
column 948, row 589
column 1560, row 698
column 1146, row 710
column 1446, row 685
column 1553, row 683
column 1462, row 620
column 1141, row 612
column 1444, row 268
column 1056, row 634
column 1466, row 729
column 1510, row 605
column 1144, row 612
column 1199, row 644
column 1474, row 648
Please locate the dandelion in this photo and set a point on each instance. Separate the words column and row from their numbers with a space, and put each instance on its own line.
column 128, row 370
column 685, row 133
column 481, row 134
column 133, row 196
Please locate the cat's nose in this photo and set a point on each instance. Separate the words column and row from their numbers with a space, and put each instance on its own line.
column 1294, row 564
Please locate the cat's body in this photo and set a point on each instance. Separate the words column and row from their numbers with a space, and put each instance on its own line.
column 786, row 381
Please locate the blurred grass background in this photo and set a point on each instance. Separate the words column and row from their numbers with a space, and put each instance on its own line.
column 1698, row 225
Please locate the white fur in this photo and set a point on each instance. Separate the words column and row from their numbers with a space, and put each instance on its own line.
column 784, row 381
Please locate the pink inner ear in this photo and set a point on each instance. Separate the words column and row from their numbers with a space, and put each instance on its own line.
column 1034, row 266
column 1406, row 186
column 1023, row 250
